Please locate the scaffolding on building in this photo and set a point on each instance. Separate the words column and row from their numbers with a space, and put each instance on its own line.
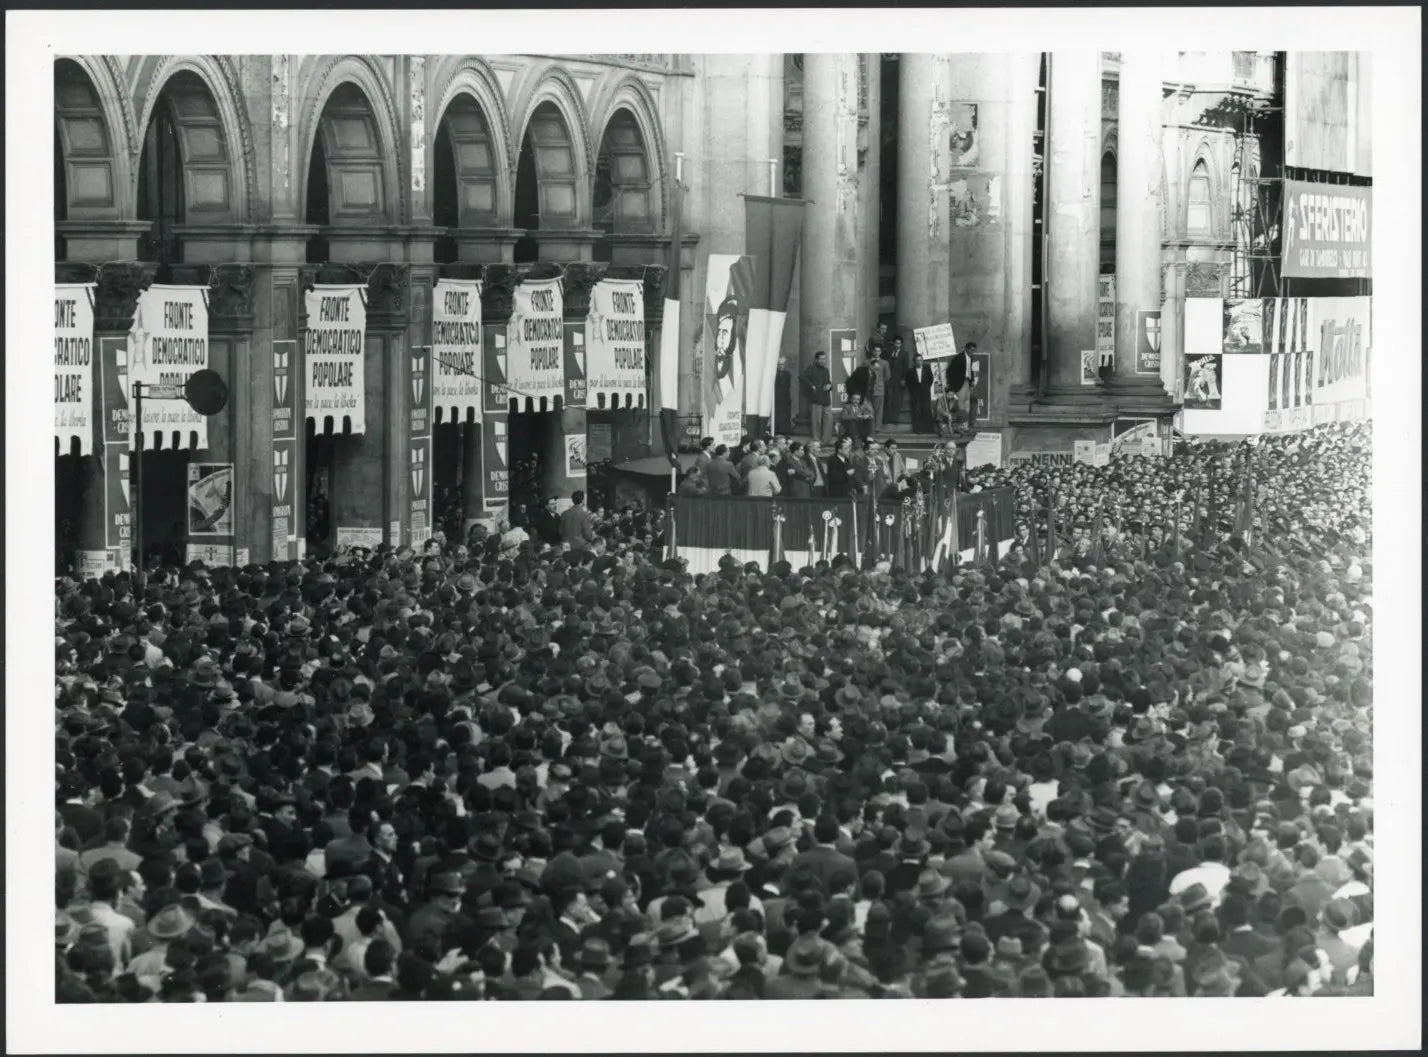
column 1257, row 189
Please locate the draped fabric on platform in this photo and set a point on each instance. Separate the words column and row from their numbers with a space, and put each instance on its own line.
column 668, row 366
column 706, row 528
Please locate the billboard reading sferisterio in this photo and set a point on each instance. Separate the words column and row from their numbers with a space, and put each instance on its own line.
column 1326, row 231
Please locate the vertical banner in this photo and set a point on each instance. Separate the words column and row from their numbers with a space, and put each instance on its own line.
column 285, row 469
column 1147, row 342
column 74, row 366
column 979, row 409
column 843, row 361
column 168, row 342
column 535, row 354
column 496, row 394
column 456, row 340
column 575, row 350
column 334, row 357
column 495, row 461
column 1106, row 318
column 727, row 292
column 617, row 344
column 420, row 384
column 114, row 428
column 1202, row 382
column 773, row 229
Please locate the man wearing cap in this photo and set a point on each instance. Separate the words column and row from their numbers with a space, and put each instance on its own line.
column 440, row 916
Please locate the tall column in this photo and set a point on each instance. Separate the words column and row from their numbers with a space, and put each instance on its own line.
column 230, row 433
column 923, row 165
column 834, row 292
column 1139, row 156
column 1073, row 215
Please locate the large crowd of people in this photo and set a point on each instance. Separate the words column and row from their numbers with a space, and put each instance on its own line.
column 1141, row 766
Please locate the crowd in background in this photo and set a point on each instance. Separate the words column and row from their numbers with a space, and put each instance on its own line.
column 574, row 771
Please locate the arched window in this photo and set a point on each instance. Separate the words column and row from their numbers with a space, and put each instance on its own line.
column 1108, row 213
column 1198, row 216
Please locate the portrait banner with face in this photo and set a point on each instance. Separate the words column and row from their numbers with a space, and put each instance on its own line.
column 727, row 293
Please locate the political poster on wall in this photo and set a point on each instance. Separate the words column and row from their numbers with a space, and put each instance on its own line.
column 456, row 339
column 1133, row 436
column 575, row 455
column 1090, row 366
column 74, row 367
column 495, row 461
column 1106, row 316
column 1202, row 382
column 1147, row 342
column 1340, row 338
column 985, row 449
column 496, row 396
column 334, row 358
column 213, row 554
column 574, row 350
column 1243, row 326
column 210, row 499
column 420, row 377
column 1327, row 231
column 843, row 361
column 728, row 293
column 168, row 341
column 114, row 427
column 962, row 135
column 598, row 442
column 1328, row 114
column 615, row 361
column 286, row 470
column 535, row 345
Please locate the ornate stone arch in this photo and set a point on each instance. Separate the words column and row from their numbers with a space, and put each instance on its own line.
column 459, row 76
column 108, row 136
column 221, row 81
column 632, row 94
column 318, row 80
column 555, row 86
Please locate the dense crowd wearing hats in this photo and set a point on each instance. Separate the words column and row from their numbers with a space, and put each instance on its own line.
column 481, row 772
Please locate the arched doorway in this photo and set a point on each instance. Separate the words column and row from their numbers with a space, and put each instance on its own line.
column 465, row 192
column 347, row 187
column 622, row 195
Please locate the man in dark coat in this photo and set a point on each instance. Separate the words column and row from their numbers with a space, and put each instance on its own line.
column 577, row 525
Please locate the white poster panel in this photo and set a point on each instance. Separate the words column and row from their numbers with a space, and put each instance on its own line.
column 535, row 352
column 1106, row 318
column 168, row 342
column 934, row 342
column 74, row 366
column 334, row 348
column 456, row 349
column 984, row 449
column 1243, row 397
column 615, row 360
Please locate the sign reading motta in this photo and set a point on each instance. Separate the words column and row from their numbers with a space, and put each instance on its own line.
column 1326, row 231
column 334, row 355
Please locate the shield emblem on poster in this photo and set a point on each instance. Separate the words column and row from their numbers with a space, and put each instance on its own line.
column 280, row 475
column 418, row 379
column 848, row 351
column 499, row 432
column 1152, row 331
column 124, row 476
column 578, row 340
column 280, row 377
column 418, row 469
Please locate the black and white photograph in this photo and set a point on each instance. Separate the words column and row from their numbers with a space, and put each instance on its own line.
column 437, row 618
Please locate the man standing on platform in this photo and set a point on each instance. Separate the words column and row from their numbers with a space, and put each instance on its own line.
column 817, row 390
column 877, row 386
column 897, row 360
column 783, row 398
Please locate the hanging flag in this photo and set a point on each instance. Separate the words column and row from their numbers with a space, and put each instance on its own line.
column 773, row 230
column 168, row 341
column 456, row 350
column 334, row 357
column 535, row 352
column 728, row 293
column 615, row 356
column 669, row 335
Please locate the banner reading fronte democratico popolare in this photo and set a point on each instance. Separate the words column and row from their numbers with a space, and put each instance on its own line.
column 168, row 342
column 615, row 363
column 74, row 366
column 334, row 356
column 535, row 351
column 456, row 349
